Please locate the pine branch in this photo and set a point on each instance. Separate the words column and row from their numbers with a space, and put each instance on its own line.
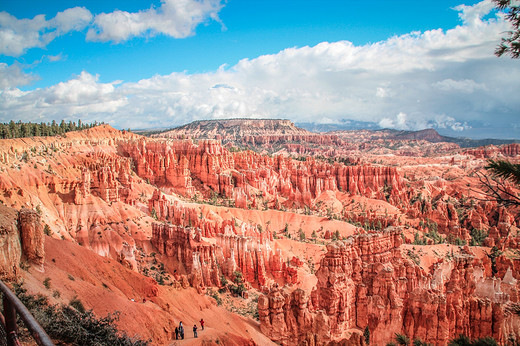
column 504, row 169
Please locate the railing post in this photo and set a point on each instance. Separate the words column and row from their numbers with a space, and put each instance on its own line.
column 10, row 322
column 13, row 307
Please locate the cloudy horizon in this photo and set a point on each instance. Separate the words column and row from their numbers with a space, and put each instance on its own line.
column 446, row 78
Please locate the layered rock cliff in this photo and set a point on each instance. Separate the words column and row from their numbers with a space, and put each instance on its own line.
column 510, row 150
column 21, row 239
column 206, row 262
column 10, row 247
column 249, row 178
column 366, row 282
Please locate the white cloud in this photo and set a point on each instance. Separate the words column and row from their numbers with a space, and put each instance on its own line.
column 175, row 18
column 403, row 122
column 54, row 58
column 83, row 96
column 381, row 92
column 84, row 89
column 72, row 19
column 443, row 121
column 464, row 86
column 472, row 15
column 442, row 79
column 399, row 122
column 18, row 35
column 12, row 76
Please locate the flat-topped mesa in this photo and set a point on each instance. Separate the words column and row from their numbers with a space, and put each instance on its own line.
column 264, row 134
column 206, row 261
column 308, row 138
column 233, row 129
column 366, row 282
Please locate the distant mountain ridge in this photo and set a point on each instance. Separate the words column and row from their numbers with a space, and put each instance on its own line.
column 232, row 129
column 433, row 136
column 429, row 135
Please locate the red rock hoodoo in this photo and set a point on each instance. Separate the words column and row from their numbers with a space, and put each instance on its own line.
column 365, row 281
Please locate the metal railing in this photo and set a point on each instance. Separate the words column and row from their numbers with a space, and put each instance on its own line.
column 12, row 307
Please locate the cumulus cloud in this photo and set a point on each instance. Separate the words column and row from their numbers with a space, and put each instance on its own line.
column 84, row 89
column 18, row 35
column 442, row 79
column 72, row 19
column 443, row 121
column 12, row 76
column 440, row 121
column 83, row 96
column 399, row 122
column 472, row 15
column 175, row 18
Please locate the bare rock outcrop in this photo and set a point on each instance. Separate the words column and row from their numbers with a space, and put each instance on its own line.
column 247, row 176
column 366, row 282
column 10, row 247
column 205, row 261
column 510, row 150
column 32, row 237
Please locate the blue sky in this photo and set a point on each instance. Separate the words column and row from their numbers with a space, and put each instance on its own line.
column 165, row 63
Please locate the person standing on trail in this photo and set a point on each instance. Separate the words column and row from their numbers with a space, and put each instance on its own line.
column 201, row 324
column 194, row 330
column 181, row 330
column 176, row 333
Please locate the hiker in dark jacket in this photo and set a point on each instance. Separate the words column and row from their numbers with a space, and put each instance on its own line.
column 181, row 330
column 176, row 333
column 194, row 330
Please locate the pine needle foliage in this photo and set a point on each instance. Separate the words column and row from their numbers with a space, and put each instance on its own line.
column 505, row 170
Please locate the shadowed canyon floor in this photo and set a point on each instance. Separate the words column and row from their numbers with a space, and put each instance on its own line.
column 307, row 239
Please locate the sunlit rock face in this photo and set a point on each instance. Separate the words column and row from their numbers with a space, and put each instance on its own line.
column 366, row 282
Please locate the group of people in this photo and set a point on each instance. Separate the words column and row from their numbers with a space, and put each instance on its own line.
column 179, row 331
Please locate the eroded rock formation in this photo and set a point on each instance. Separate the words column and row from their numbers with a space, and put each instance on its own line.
column 247, row 176
column 10, row 247
column 95, row 188
column 31, row 236
column 510, row 150
column 365, row 281
column 207, row 260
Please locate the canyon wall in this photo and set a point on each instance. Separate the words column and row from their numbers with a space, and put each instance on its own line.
column 366, row 282
column 207, row 260
column 497, row 221
column 510, row 150
column 249, row 178
column 95, row 187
